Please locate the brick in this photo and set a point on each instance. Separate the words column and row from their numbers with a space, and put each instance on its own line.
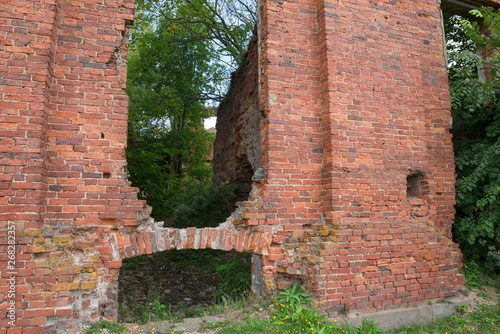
column 331, row 115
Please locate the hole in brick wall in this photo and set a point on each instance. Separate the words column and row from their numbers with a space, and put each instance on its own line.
column 102, row 135
column 414, row 187
column 185, row 281
column 244, row 173
column 106, row 175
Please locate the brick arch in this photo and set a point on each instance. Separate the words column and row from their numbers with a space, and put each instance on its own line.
column 153, row 238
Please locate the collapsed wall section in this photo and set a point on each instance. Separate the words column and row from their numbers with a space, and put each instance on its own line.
column 237, row 144
column 63, row 184
column 344, row 106
column 63, row 187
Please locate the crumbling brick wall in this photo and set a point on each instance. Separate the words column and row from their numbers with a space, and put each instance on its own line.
column 345, row 105
column 237, row 144
column 356, row 100
column 63, row 183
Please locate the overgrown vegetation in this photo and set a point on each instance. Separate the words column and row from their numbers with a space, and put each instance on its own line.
column 203, row 205
column 180, row 57
column 475, row 93
column 108, row 327
column 293, row 313
column 146, row 301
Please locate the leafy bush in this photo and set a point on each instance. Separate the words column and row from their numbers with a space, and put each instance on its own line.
column 203, row 205
column 236, row 276
column 476, row 138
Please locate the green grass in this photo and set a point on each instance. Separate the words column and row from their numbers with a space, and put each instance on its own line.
column 484, row 321
column 110, row 327
column 292, row 313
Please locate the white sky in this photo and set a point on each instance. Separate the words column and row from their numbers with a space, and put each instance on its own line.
column 210, row 122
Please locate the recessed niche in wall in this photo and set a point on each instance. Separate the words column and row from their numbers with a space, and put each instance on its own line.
column 414, row 184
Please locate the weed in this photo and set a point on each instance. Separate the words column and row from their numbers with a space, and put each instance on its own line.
column 462, row 309
column 293, row 311
column 110, row 327
column 152, row 310
column 216, row 324
column 246, row 303
column 472, row 275
column 369, row 327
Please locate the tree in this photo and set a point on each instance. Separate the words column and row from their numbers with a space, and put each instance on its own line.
column 176, row 74
column 476, row 138
column 224, row 26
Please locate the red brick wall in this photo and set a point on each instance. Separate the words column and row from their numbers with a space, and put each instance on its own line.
column 356, row 100
column 350, row 99
column 63, row 131
column 237, row 144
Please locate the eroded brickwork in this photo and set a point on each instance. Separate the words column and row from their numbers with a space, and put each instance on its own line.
column 343, row 104
column 237, row 144
column 356, row 101
column 63, row 183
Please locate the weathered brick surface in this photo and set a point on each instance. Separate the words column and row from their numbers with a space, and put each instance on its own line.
column 63, row 131
column 237, row 144
column 344, row 104
column 356, row 100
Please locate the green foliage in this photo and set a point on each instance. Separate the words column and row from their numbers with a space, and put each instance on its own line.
column 202, row 205
column 177, row 72
column 472, row 274
column 369, row 327
column 491, row 20
column 293, row 308
column 236, row 276
column 107, row 327
column 476, row 138
column 168, row 77
column 226, row 25
column 484, row 320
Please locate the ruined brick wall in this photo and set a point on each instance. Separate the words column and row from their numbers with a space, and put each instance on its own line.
column 348, row 100
column 63, row 184
column 356, row 101
column 237, row 144
column 359, row 173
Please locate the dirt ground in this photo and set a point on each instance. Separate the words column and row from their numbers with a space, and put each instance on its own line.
column 183, row 282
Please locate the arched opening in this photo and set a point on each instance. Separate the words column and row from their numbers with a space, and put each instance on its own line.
column 170, row 160
column 176, row 284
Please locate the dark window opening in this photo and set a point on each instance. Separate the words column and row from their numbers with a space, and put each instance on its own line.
column 414, row 184
column 243, row 181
